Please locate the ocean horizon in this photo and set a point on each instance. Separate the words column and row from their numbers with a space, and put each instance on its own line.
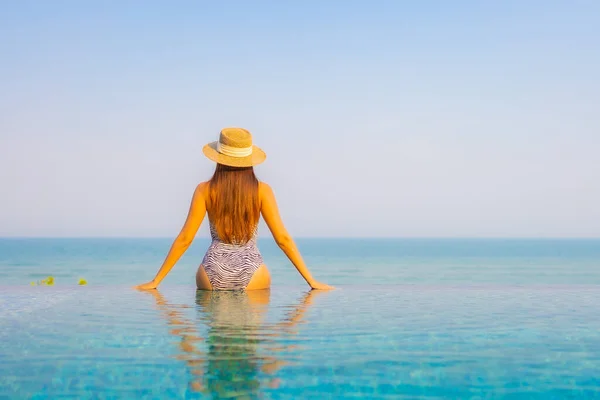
column 341, row 261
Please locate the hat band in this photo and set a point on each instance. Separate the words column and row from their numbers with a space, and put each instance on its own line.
column 234, row 151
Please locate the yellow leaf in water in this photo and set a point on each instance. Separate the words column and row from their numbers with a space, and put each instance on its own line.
column 32, row 283
column 50, row 280
column 82, row 281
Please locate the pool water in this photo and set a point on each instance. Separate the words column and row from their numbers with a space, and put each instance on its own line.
column 373, row 338
column 384, row 342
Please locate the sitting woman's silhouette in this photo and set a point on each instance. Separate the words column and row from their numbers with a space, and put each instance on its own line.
column 239, row 352
column 234, row 200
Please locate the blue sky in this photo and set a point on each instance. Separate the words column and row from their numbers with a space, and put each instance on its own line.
column 379, row 118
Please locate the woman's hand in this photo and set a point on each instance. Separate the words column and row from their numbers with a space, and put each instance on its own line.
column 146, row 286
column 321, row 286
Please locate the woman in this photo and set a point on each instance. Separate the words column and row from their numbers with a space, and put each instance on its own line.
column 234, row 200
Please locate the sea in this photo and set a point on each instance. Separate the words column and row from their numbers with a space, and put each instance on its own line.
column 409, row 319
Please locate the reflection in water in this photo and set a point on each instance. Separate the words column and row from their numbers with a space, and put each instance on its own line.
column 239, row 345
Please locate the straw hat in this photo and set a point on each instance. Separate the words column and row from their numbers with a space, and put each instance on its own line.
column 235, row 149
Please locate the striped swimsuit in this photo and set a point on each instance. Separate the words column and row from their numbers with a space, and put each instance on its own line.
column 231, row 266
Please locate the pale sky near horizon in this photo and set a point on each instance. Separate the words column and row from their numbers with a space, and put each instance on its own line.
column 379, row 118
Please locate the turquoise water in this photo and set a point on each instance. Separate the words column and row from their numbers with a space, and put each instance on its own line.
column 474, row 319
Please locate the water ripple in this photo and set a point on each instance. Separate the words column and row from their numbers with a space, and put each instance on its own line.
column 412, row 341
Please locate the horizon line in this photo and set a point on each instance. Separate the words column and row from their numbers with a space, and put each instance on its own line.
column 332, row 237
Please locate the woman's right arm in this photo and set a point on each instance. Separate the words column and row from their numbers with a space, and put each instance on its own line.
column 270, row 213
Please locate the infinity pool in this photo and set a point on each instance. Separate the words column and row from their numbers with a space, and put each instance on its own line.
column 397, row 341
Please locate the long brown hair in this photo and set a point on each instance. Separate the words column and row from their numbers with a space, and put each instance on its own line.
column 234, row 205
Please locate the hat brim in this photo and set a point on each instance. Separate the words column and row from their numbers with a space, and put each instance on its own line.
column 257, row 156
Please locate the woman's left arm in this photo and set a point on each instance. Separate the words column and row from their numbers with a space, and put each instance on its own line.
column 184, row 239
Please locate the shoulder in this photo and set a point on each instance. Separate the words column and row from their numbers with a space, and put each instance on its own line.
column 201, row 190
column 264, row 189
